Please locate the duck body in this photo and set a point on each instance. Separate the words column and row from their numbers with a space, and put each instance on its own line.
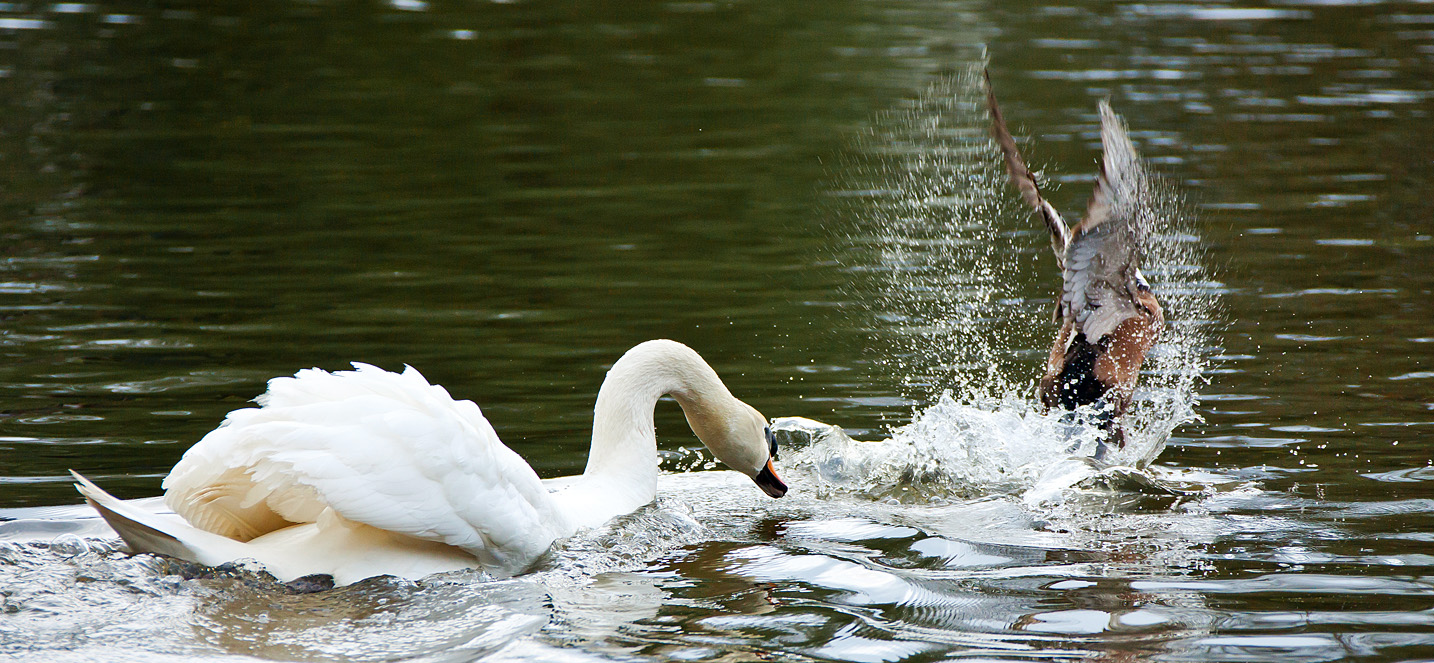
column 1104, row 374
column 1108, row 314
column 366, row 472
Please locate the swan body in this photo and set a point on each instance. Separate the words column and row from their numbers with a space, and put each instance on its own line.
column 1109, row 316
column 366, row 472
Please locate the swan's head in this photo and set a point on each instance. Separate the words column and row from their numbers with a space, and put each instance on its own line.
column 742, row 440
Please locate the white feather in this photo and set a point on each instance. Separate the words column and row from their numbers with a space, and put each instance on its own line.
column 366, row 472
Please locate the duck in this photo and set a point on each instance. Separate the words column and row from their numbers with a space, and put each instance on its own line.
column 354, row 474
column 1107, row 314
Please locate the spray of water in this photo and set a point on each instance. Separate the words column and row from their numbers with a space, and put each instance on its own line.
column 959, row 287
column 940, row 253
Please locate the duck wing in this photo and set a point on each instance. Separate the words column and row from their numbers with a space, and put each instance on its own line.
column 1103, row 284
column 1023, row 179
column 373, row 447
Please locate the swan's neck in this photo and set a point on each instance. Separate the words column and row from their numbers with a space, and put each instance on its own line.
column 623, row 462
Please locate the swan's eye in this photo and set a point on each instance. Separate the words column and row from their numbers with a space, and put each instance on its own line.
column 771, row 441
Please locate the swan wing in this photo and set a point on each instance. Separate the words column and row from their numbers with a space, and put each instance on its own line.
column 382, row 449
column 1102, row 278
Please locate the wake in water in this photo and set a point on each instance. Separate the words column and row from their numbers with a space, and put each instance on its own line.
column 960, row 295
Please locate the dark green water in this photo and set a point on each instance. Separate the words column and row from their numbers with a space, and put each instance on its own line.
column 508, row 195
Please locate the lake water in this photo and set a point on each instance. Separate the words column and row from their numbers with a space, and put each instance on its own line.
column 508, row 195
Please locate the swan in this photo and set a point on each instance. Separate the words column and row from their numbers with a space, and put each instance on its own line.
column 354, row 474
column 1109, row 316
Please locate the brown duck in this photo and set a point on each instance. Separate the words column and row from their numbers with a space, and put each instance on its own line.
column 1108, row 316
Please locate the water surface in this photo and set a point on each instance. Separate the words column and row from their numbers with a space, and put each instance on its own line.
column 508, row 195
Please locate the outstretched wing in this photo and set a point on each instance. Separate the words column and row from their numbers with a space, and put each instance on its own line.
column 1102, row 264
column 1023, row 179
column 378, row 448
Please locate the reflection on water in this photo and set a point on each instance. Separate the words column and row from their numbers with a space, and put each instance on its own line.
column 377, row 620
column 507, row 195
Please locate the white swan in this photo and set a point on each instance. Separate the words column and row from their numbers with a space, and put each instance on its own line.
column 362, row 473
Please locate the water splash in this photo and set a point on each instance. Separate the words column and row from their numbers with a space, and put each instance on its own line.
column 1174, row 370
column 940, row 256
column 947, row 259
column 951, row 450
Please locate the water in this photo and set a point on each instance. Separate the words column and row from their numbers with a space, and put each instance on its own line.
column 508, row 195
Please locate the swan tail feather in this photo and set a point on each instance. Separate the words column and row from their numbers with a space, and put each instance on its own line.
column 146, row 532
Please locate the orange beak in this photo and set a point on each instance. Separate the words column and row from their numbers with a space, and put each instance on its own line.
column 769, row 482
